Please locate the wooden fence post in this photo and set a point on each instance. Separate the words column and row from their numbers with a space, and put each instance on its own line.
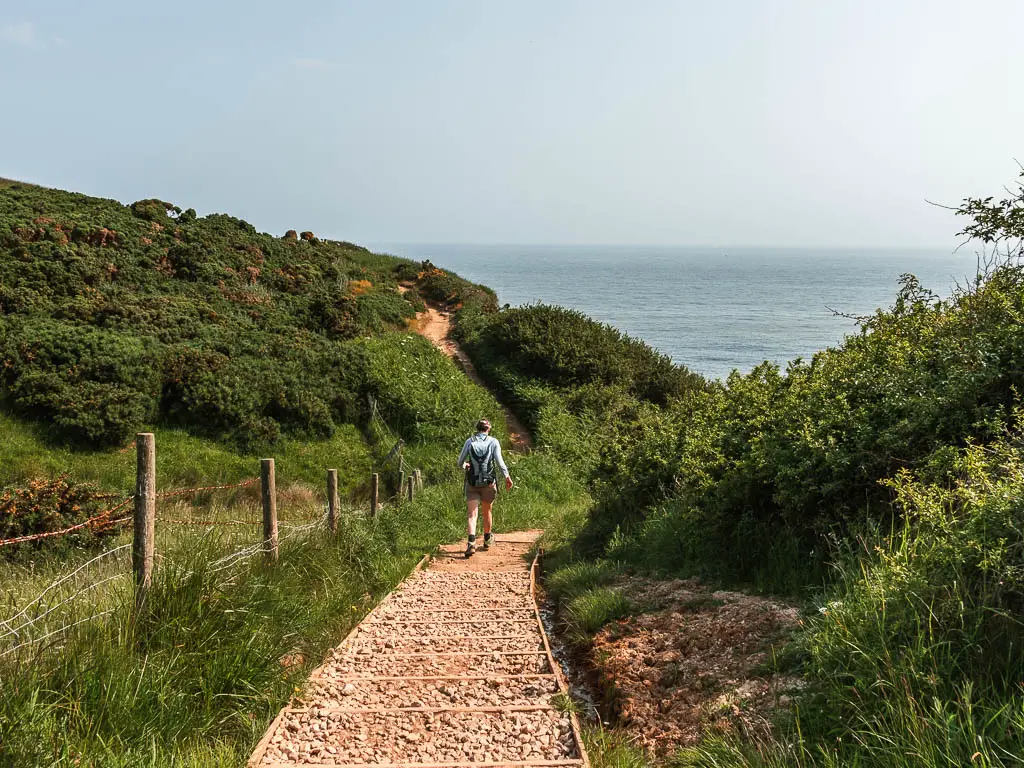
column 419, row 480
column 145, row 514
column 269, row 489
column 411, row 487
column 401, row 483
column 374, row 493
column 332, row 500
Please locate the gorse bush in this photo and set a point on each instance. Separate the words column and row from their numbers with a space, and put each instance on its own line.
column 49, row 505
column 565, row 348
column 113, row 317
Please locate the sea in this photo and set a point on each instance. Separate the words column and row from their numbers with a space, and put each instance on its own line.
column 713, row 310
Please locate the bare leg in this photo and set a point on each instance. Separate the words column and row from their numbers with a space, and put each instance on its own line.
column 471, row 509
column 485, row 509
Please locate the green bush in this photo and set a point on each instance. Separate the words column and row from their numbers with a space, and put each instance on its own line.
column 920, row 645
column 93, row 386
column 153, row 209
column 565, row 348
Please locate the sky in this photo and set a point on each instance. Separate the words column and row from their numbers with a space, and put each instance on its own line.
column 735, row 122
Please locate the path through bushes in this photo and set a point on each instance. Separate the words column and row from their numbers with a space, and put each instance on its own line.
column 435, row 325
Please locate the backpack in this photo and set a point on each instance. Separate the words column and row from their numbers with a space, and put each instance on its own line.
column 481, row 463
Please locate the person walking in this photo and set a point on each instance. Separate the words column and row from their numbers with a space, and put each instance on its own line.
column 479, row 455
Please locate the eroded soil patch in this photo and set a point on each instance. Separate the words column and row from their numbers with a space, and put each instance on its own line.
column 697, row 663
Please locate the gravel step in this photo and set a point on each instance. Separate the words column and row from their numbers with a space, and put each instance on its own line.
column 462, row 644
column 349, row 693
column 335, row 738
column 471, row 603
column 388, row 630
column 466, row 664
column 405, row 613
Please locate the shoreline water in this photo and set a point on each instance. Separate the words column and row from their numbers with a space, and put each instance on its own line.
column 711, row 309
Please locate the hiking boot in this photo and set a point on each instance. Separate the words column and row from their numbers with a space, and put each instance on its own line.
column 488, row 540
column 470, row 549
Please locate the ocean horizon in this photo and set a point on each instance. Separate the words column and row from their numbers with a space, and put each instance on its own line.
column 712, row 309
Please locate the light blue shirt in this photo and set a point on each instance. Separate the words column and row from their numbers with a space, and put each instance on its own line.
column 495, row 451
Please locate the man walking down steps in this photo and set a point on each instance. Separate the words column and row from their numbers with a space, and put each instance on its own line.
column 478, row 456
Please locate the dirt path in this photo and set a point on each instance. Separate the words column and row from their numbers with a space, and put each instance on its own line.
column 436, row 324
column 452, row 669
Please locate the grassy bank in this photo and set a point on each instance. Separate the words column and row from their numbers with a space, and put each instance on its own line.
column 183, row 460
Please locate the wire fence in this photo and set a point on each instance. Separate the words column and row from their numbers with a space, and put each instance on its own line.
column 88, row 584
column 100, row 521
column 384, row 436
column 82, row 586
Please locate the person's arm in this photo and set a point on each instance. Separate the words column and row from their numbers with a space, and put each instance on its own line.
column 463, row 455
column 501, row 464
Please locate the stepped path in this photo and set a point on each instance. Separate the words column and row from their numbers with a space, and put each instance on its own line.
column 451, row 669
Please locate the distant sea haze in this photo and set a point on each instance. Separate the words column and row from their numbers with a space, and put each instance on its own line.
column 710, row 309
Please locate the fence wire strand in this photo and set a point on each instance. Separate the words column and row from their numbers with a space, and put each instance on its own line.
column 64, row 628
column 186, row 491
column 66, row 578
column 71, row 598
column 100, row 523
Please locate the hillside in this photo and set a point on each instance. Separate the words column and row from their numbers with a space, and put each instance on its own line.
column 115, row 316
column 226, row 341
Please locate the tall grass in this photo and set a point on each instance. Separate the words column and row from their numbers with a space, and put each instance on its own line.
column 196, row 679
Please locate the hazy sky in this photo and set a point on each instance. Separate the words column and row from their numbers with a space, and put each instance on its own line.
column 767, row 122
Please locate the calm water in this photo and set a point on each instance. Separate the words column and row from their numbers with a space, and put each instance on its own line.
column 712, row 310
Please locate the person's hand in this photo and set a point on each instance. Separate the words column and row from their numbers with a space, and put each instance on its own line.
column 508, row 483
column 465, row 465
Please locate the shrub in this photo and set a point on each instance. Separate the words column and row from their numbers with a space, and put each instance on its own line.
column 153, row 209
column 45, row 505
column 565, row 348
column 93, row 386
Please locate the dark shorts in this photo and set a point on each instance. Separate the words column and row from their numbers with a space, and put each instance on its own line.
column 485, row 493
